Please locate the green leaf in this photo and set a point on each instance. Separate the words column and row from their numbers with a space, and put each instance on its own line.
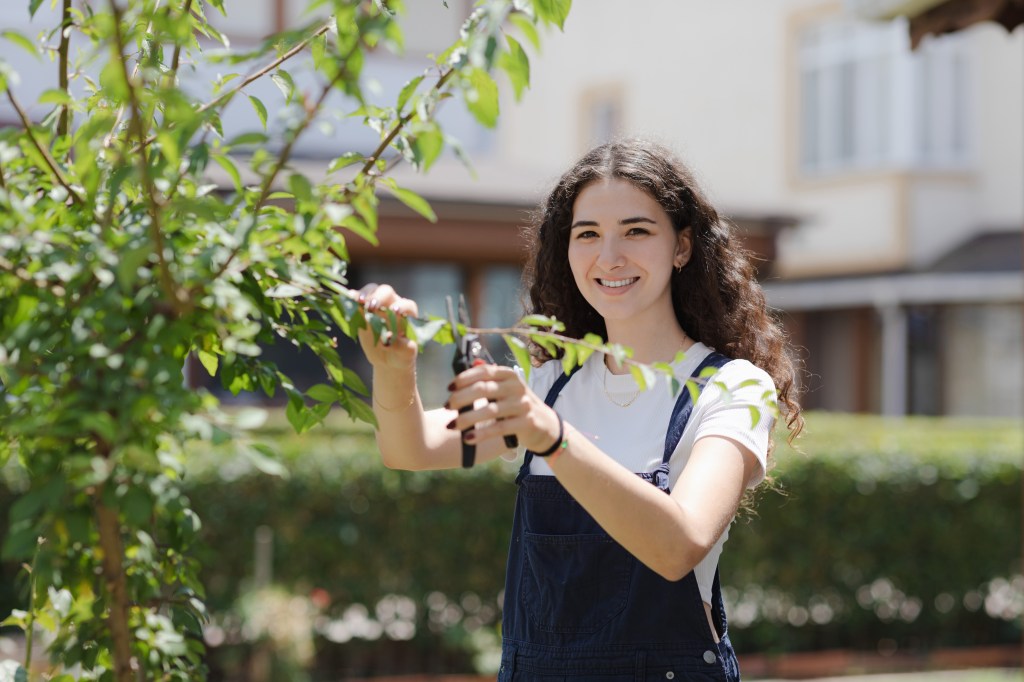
column 480, row 93
column 644, row 376
column 426, row 145
column 569, row 358
column 553, row 11
column 424, row 331
column 136, row 506
column 261, row 110
column 523, row 23
column 414, row 201
column 520, row 353
column 517, row 65
column 357, row 409
column 229, row 166
column 18, row 619
column 264, row 458
column 55, row 96
column 407, row 91
column 112, row 82
column 283, row 291
column 694, row 388
column 42, row 497
column 294, row 412
column 346, row 159
column 544, row 321
column 755, row 416
column 102, row 424
column 23, row 42
column 322, row 393
column 250, row 138
column 352, row 382
column 208, row 360
column 301, row 187
column 284, row 82
column 708, row 372
column 356, row 225
column 20, row 543
column 127, row 269
column 33, row 5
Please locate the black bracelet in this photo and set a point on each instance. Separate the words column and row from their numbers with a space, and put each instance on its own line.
column 560, row 442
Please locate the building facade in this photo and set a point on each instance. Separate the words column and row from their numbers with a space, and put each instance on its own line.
column 883, row 187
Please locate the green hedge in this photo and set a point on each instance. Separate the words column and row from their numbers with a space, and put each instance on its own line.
column 880, row 532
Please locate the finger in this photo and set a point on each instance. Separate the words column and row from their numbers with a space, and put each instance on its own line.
column 485, row 372
column 491, row 391
column 481, row 412
column 366, row 291
column 405, row 307
column 492, row 430
column 380, row 298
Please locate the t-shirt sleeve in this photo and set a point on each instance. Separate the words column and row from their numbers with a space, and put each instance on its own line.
column 739, row 403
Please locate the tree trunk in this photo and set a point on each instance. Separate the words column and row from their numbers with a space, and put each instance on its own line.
column 117, row 589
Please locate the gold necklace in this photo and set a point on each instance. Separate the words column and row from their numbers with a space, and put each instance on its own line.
column 604, row 385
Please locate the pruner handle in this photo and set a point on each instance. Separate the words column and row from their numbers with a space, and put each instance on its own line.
column 475, row 355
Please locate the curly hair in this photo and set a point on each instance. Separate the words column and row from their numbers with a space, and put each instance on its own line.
column 716, row 296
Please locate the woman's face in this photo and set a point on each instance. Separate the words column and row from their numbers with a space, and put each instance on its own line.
column 622, row 249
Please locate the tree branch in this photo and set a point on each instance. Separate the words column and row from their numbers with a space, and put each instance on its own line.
column 43, row 151
column 177, row 300
column 386, row 142
column 120, row 110
column 282, row 160
column 62, row 65
column 267, row 69
column 176, row 59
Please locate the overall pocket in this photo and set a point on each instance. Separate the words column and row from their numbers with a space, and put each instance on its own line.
column 573, row 583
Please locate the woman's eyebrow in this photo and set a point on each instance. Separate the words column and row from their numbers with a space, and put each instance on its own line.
column 637, row 219
column 625, row 221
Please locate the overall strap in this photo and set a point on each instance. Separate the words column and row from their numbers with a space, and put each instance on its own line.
column 684, row 404
column 549, row 400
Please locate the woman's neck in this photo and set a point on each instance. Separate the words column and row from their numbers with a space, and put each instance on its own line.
column 648, row 346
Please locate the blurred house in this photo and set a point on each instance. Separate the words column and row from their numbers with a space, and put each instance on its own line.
column 881, row 188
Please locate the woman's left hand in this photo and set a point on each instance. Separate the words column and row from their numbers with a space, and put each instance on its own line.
column 511, row 408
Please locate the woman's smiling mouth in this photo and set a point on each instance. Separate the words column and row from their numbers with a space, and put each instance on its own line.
column 617, row 283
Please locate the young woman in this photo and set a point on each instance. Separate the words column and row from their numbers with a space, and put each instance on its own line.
column 625, row 496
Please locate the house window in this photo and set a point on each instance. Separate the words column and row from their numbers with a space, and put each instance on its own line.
column 495, row 301
column 867, row 102
column 603, row 117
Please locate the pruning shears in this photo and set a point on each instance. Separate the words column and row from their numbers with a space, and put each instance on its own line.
column 469, row 352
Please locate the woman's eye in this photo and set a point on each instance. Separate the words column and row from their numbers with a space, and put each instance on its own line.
column 586, row 234
column 638, row 231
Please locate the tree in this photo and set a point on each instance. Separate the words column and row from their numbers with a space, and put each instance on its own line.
column 119, row 259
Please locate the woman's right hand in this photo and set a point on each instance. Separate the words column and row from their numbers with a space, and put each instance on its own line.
column 393, row 350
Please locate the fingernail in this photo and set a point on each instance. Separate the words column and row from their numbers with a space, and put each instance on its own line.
column 362, row 298
column 451, row 386
column 373, row 304
column 469, row 436
column 447, row 404
column 395, row 307
column 451, row 425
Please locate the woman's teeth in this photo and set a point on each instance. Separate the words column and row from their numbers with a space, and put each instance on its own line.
column 616, row 283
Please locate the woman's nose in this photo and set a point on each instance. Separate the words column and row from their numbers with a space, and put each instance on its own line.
column 611, row 256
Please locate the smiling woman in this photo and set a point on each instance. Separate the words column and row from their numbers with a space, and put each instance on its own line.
column 622, row 251
column 625, row 496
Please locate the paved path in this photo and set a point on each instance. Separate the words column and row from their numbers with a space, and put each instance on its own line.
column 1008, row 675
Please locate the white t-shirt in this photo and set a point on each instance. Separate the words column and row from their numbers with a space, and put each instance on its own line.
column 634, row 436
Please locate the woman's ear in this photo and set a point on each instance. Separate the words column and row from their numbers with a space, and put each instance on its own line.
column 684, row 247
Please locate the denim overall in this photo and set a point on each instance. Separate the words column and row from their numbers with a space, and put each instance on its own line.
column 580, row 607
